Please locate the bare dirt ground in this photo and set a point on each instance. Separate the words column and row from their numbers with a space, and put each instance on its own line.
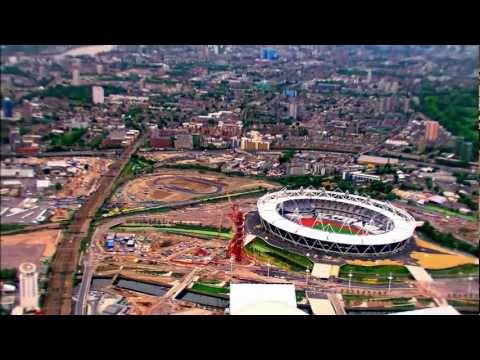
column 85, row 182
column 181, row 157
column 162, row 155
column 213, row 214
column 174, row 185
column 60, row 214
column 31, row 247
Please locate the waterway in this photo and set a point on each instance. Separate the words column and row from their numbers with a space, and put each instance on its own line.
column 99, row 283
column 91, row 50
column 146, row 288
column 206, row 300
column 160, row 290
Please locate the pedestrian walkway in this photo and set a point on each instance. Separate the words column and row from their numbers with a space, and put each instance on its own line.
column 419, row 273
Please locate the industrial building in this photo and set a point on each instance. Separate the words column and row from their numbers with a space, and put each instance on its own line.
column 28, row 277
column 247, row 144
column 263, row 299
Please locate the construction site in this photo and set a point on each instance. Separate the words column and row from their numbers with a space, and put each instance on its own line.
column 34, row 247
column 40, row 189
column 184, row 261
column 168, row 186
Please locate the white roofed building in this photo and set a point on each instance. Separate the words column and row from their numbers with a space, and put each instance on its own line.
column 263, row 299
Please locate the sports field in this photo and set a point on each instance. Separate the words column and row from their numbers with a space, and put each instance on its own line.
column 332, row 226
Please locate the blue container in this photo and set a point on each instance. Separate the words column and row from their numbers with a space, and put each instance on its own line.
column 269, row 54
column 7, row 106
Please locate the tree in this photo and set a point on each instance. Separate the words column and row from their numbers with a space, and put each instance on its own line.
column 429, row 183
column 58, row 186
column 286, row 156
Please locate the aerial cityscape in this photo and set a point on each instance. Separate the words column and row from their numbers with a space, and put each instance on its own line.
column 239, row 180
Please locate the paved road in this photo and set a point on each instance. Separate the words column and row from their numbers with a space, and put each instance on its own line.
column 88, row 270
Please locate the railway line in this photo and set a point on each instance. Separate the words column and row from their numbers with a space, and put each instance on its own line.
column 58, row 300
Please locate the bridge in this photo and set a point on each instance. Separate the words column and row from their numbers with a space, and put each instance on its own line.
column 337, row 302
column 177, row 289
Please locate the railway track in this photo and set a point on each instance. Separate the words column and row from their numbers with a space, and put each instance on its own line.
column 58, row 300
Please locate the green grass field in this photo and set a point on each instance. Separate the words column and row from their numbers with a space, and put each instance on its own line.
column 375, row 274
column 462, row 270
column 334, row 229
column 177, row 229
column 279, row 257
column 194, row 232
column 6, row 228
column 209, row 288
column 444, row 211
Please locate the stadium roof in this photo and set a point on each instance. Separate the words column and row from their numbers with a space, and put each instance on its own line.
column 263, row 299
column 403, row 224
column 441, row 310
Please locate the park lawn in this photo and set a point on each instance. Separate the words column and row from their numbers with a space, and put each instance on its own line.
column 444, row 211
column 295, row 261
column 209, row 288
column 464, row 302
column 194, row 232
column 467, row 269
column 177, row 230
column 374, row 274
column 6, row 228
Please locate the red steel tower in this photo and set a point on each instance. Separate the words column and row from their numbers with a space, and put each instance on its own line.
column 235, row 247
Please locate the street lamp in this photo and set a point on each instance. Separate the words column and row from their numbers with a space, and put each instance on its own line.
column 470, row 280
column 390, row 278
column 349, row 279
column 306, row 276
column 268, row 269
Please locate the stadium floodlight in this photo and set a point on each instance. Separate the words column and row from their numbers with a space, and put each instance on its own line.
column 390, row 278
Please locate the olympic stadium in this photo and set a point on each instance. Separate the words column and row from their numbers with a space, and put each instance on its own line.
column 335, row 223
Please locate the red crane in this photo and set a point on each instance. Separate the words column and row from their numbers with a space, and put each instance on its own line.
column 235, row 247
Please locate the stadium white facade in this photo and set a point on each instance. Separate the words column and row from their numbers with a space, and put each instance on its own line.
column 381, row 229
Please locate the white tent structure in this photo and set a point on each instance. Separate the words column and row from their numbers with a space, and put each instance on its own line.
column 441, row 310
column 263, row 299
